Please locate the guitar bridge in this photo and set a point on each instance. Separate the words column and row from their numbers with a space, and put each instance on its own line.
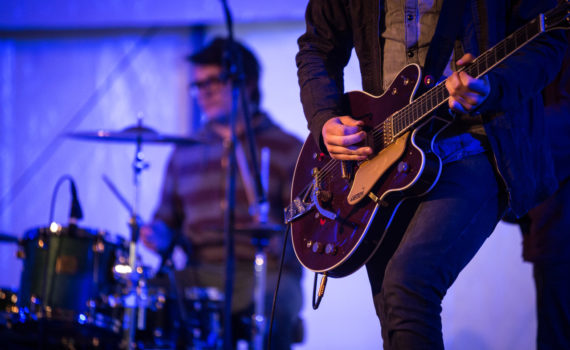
column 296, row 209
column 299, row 207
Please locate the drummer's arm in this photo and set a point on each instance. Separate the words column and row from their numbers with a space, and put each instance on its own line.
column 156, row 236
column 168, row 217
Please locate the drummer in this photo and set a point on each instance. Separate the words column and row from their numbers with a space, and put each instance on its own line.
column 193, row 196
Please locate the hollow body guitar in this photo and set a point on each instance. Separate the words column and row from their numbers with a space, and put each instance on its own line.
column 351, row 204
column 340, row 210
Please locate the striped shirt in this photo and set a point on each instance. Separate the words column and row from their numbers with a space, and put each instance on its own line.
column 194, row 191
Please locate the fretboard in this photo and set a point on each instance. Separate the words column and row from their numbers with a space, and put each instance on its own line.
column 426, row 104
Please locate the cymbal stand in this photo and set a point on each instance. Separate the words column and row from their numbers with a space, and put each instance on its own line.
column 135, row 281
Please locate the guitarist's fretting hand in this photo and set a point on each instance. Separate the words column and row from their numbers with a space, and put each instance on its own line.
column 341, row 136
column 465, row 92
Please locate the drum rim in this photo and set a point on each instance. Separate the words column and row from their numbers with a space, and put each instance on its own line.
column 34, row 233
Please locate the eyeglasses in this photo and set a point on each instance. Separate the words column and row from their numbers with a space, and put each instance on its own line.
column 213, row 82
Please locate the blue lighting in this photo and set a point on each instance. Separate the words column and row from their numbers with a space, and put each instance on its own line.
column 82, row 319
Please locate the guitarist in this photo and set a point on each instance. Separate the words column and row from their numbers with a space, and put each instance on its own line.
column 495, row 155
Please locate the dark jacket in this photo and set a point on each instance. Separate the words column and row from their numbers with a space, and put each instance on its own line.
column 512, row 115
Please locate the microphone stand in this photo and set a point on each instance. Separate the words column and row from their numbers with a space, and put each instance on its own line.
column 234, row 72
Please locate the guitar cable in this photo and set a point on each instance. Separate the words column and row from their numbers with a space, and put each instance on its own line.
column 319, row 295
column 316, row 302
column 272, row 316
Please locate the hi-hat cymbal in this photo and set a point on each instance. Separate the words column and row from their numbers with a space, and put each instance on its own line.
column 134, row 134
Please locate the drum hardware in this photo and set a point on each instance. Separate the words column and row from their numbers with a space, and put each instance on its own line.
column 261, row 234
column 8, row 238
column 8, row 301
column 135, row 134
column 70, row 279
column 8, row 308
column 205, row 322
column 8, row 298
column 125, row 270
column 145, row 309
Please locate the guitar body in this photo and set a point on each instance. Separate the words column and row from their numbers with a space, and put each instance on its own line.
column 405, row 168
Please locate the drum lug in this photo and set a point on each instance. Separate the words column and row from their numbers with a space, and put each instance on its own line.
column 21, row 254
column 99, row 246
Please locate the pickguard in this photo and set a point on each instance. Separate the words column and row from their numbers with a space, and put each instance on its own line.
column 370, row 171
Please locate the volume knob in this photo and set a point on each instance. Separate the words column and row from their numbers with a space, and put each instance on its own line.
column 317, row 247
column 403, row 167
column 330, row 249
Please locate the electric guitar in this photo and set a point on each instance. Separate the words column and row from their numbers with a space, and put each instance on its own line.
column 340, row 210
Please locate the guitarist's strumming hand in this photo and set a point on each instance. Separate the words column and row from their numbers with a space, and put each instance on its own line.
column 465, row 92
column 341, row 136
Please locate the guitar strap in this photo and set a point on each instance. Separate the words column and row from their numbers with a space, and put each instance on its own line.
column 446, row 32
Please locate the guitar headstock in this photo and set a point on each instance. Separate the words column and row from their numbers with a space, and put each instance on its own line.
column 558, row 17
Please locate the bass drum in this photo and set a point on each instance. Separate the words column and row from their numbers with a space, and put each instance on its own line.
column 67, row 278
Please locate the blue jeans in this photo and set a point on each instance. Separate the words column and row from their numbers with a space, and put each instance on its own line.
column 430, row 242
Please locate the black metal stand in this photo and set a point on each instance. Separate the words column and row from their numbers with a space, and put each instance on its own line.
column 233, row 71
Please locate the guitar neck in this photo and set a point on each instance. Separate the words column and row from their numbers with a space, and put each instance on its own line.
column 427, row 103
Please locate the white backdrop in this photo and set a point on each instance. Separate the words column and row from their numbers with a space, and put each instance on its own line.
column 48, row 79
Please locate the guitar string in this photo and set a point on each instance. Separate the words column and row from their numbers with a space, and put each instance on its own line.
column 401, row 116
column 406, row 114
column 488, row 58
column 378, row 134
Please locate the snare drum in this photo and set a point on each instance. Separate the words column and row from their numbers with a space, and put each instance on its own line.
column 67, row 275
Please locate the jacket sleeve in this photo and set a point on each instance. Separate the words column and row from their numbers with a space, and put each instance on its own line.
column 524, row 74
column 324, row 51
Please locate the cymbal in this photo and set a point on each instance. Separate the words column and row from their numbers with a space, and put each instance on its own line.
column 134, row 134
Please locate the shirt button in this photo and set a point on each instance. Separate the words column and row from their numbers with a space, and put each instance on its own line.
column 410, row 17
column 410, row 53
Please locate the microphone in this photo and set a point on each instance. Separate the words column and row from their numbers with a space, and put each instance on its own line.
column 75, row 213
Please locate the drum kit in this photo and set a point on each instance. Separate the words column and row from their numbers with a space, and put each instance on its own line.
column 84, row 289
